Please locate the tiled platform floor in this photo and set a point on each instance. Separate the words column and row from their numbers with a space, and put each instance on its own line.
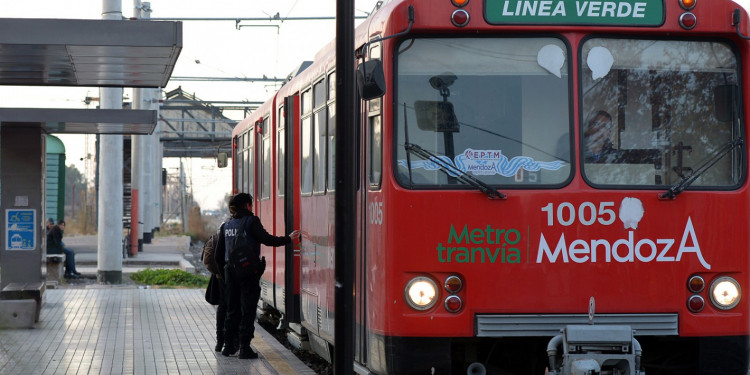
column 111, row 330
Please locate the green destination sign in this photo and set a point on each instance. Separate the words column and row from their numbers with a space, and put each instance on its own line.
column 575, row 12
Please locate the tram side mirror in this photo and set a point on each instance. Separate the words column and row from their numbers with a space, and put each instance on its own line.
column 370, row 79
column 436, row 116
column 724, row 98
column 221, row 159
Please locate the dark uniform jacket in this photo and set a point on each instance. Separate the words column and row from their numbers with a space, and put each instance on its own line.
column 255, row 231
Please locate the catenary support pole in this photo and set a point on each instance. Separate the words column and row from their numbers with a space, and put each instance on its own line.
column 156, row 192
column 149, row 171
column 183, row 199
column 137, row 155
column 109, row 253
column 345, row 190
column 156, row 157
column 148, row 176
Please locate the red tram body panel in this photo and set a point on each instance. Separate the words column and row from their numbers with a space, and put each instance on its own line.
column 531, row 165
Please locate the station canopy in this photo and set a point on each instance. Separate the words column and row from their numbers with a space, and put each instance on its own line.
column 84, row 121
column 95, row 53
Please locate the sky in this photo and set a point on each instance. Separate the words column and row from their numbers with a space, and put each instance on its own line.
column 210, row 49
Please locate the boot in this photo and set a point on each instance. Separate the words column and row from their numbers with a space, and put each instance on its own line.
column 229, row 346
column 219, row 341
column 247, row 353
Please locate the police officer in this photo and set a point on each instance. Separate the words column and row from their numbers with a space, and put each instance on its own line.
column 242, row 295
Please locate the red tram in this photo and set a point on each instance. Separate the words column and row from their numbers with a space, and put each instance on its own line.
column 553, row 185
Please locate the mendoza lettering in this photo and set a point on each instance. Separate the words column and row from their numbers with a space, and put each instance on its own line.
column 623, row 250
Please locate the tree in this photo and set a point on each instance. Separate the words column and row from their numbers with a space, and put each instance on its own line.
column 79, row 202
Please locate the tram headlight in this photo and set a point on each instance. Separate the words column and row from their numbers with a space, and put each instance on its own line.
column 421, row 293
column 725, row 293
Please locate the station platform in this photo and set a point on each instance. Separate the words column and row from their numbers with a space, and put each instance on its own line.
column 163, row 252
column 87, row 328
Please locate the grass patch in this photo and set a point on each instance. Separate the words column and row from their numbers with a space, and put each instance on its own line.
column 172, row 278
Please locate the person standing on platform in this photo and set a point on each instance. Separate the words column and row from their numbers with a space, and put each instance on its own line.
column 216, row 287
column 242, row 295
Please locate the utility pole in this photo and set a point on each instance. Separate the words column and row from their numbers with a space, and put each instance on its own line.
column 138, row 145
column 109, row 253
column 346, row 177
column 183, row 199
column 156, row 157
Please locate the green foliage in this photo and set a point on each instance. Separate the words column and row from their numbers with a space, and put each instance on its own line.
column 173, row 278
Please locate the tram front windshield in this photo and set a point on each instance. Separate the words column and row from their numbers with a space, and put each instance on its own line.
column 657, row 111
column 499, row 109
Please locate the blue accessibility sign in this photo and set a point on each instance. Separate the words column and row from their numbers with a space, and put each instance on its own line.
column 20, row 231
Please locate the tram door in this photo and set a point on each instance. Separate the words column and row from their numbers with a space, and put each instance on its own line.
column 264, row 205
column 360, row 289
column 370, row 166
column 286, row 183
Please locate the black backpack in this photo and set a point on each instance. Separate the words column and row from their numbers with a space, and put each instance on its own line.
column 244, row 254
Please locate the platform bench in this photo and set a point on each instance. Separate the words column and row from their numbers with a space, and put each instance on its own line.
column 25, row 291
column 55, row 263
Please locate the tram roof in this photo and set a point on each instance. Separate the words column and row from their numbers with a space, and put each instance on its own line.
column 101, row 53
column 84, row 121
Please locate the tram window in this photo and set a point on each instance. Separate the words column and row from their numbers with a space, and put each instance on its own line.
column 374, row 51
column 237, row 162
column 331, row 139
column 648, row 118
column 376, row 151
column 306, row 102
column 319, row 94
column 319, row 149
column 306, row 167
column 510, row 101
column 331, row 86
column 246, row 174
column 265, row 191
column 331, row 146
column 374, row 54
column 244, row 160
column 280, row 155
column 281, row 168
column 249, row 185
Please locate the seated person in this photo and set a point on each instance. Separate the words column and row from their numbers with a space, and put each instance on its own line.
column 597, row 139
column 55, row 245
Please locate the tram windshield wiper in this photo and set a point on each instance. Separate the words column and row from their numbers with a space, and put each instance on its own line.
column 686, row 181
column 452, row 171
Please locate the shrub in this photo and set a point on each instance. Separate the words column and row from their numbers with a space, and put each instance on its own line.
column 165, row 277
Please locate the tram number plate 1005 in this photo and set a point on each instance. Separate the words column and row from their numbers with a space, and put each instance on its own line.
column 587, row 213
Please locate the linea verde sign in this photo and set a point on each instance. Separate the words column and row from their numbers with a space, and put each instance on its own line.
column 576, row 12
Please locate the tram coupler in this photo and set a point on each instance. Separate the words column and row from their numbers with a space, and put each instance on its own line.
column 595, row 350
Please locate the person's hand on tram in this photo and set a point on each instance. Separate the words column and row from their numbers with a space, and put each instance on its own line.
column 294, row 235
